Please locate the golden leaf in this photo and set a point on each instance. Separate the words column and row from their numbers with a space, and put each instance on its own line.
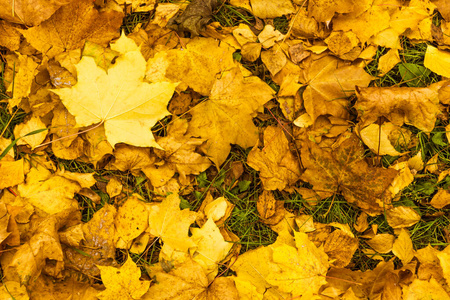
column 171, row 224
column 126, row 105
column 277, row 165
column 123, row 283
column 226, row 118
column 329, row 82
column 401, row 217
column 403, row 247
column 71, row 26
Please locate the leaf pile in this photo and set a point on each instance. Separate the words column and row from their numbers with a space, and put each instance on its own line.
column 177, row 131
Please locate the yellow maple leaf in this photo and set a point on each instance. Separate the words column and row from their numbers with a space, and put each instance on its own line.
column 226, row 118
column 119, row 98
column 171, row 224
column 122, row 283
column 212, row 247
column 301, row 269
column 329, row 82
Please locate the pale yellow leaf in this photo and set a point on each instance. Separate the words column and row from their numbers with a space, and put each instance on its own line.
column 437, row 61
column 403, row 247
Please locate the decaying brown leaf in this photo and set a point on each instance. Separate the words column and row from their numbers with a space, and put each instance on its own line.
column 195, row 16
column 345, row 171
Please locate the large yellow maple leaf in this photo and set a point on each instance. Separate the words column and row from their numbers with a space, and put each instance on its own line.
column 226, row 118
column 119, row 98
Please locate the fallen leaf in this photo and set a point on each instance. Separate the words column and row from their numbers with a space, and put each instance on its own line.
column 11, row 290
column 24, row 12
column 323, row 10
column 197, row 66
column 388, row 61
column 412, row 106
column 402, row 216
column 270, row 211
column 403, row 179
column 114, row 187
column 69, row 288
column 194, row 17
column 271, row 9
column 98, row 245
column 131, row 220
column 123, row 282
column 373, row 19
column 344, row 45
column 171, row 224
column 211, row 248
column 128, row 115
column 226, row 118
column 31, row 257
column 25, row 68
column 71, row 26
column 340, row 247
column 11, row 172
column 403, row 247
column 49, row 193
column 424, row 289
column 441, row 199
column 376, row 138
column 9, row 35
column 219, row 210
column 361, row 223
column 345, row 171
column 277, row 165
column 179, row 152
column 188, row 281
column 382, row 243
column 291, row 278
column 438, row 61
column 329, row 82
column 269, row 36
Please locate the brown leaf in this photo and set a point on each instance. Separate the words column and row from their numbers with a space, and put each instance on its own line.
column 71, row 26
column 195, row 17
column 270, row 211
column 340, row 247
column 345, row 171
